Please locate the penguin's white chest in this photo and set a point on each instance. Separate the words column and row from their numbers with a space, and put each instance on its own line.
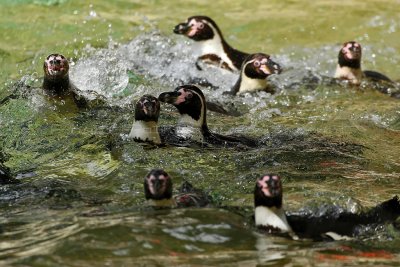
column 145, row 131
column 272, row 217
column 354, row 76
column 214, row 47
column 248, row 85
column 189, row 129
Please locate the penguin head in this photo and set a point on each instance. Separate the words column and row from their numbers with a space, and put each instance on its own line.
column 268, row 191
column 350, row 54
column 198, row 28
column 147, row 108
column 188, row 99
column 260, row 66
column 157, row 185
column 56, row 65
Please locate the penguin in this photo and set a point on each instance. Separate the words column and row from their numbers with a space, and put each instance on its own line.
column 57, row 85
column 192, row 124
column 342, row 225
column 145, row 128
column 56, row 75
column 269, row 213
column 254, row 72
column 210, row 43
column 349, row 65
column 158, row 191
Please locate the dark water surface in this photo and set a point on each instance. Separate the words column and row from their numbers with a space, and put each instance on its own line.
column 80, row 201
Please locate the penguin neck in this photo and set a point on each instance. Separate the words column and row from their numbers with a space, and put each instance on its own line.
column 353, row 75
column 189, row 128
column 146, row 131
column 217, row 46
column 169, row 202
column 272, row 217
column 56, row 85
column 248, row 84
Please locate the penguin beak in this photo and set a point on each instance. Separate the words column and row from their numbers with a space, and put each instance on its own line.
column 157, row 185
column 181, row 28
column 271, row 67
column 169, row 97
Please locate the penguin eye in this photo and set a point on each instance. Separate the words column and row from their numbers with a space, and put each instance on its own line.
column 201, row 25
column 256, row 63
column 189, row 95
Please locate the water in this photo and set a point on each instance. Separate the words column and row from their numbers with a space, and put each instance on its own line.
column 80, row 199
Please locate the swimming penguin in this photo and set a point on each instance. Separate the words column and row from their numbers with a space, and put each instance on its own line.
column 145, row 128
column 192, row 124
column 268, row 207
column 158, row 190
column 336, row 224
column 56, row 82
column 254, row 72
column 210, row 44
column 349, row 65
column 56, row 78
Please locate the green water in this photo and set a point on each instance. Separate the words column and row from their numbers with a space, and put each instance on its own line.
column 82, row 205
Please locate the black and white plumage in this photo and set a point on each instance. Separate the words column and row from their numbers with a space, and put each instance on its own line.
column 192, row 123
column 349, row 65
column 268, row 208
column 254, row 72
column 210, row 44
column 335, row 224
column 338, row 224
column 158, row 189
column 145, row 128
column 56, row 82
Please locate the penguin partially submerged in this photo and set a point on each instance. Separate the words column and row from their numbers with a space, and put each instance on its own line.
column 268, row 208
column 158, row 190
column 56, row 75
column 57, row 85
column 192, row 124
column 270, row 215
column 145, row 128
column 254, row 72
column 210, row 43
column 349, row 65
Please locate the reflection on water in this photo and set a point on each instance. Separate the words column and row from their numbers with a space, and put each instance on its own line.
column 80, row 199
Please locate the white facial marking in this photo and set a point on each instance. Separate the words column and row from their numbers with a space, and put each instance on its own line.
column 151, row 180
column 183, row 96
column 194, row 27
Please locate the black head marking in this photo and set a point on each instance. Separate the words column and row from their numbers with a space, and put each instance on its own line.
column 268, row 191
column 147, row 108
column 157, row 185
column 350, row 55
column 198, row 28
column 189, row 100
column 260, row 66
